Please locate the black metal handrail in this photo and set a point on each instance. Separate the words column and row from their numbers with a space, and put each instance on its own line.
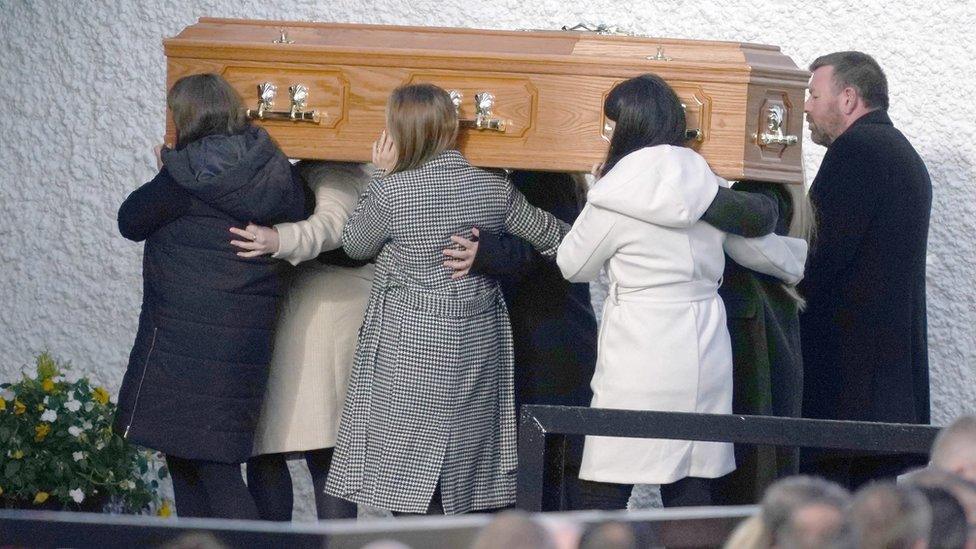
column 537, row 423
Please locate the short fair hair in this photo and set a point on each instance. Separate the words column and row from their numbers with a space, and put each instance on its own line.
column 785, row 496
column 859, row 71
column 888, row 516
column 422, row 122
column 957, row 440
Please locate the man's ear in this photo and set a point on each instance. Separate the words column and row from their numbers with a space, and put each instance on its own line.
column 850, row 100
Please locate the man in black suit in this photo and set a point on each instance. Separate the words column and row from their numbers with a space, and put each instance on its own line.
column 863, row 333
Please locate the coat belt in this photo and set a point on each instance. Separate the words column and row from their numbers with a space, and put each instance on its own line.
column 692, row 290
column 445, row 307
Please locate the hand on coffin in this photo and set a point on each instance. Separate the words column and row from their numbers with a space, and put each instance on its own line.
column 384, row 153
column 257, row 241
column 462, row 259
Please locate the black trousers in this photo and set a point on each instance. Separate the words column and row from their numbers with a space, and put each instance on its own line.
column 853, row 471
column 210, row 489
column 608, row 496
column 270, row 484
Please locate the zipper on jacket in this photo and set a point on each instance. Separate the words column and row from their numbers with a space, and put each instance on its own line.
column 145, row 367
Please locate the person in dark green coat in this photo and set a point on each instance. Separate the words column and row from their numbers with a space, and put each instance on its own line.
column 763, row 322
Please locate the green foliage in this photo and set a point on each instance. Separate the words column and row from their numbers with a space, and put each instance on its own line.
column 57, row 445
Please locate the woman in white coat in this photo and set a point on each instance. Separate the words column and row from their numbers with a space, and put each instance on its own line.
column 663, row 343
column 315, row 341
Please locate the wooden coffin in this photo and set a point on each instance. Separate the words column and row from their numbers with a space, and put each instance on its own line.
column 744, row 101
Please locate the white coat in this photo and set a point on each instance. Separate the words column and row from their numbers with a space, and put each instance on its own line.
column 663, row 343
column 318, row 321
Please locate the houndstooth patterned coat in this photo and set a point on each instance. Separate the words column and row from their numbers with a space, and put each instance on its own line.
column 430, row 395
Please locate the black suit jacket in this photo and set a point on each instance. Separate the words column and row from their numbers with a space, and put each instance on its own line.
column 863, row 334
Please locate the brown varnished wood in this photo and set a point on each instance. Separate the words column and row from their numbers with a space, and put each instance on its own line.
column 549, row 87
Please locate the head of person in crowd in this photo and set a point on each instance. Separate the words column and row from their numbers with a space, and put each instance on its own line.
column 949, row 526
column 954, row 450
column 645, row 112
column 608, row 535
column 803, row 511
column 844, row 86
column 888, row 516
column 422, row 122
column 513, row 530
column 961, row 489
column 204, row 105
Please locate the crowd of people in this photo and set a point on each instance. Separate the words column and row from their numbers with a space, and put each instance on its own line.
column 386, row 324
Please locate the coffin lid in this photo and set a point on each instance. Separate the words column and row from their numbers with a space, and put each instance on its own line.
column 552, row 52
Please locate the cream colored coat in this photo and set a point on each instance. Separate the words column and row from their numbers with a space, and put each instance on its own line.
column 663, row 342
column 318, row 321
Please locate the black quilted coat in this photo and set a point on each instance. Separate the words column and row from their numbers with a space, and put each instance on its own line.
column 198, row 369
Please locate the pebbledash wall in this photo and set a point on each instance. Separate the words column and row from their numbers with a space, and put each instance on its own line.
column 82, row 104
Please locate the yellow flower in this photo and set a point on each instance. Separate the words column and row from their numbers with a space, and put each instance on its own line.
column 17, row 454
column 47, row 385
column 101, row 395
column 41, row 497
column 165, row 510
column 3, row 404
column 41, row 431
column 19, row 407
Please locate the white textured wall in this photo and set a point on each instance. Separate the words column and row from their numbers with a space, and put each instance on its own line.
column 82, row 101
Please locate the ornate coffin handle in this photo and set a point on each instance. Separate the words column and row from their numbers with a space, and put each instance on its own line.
column 297, row 112
column 775, row 117
column 484, row 103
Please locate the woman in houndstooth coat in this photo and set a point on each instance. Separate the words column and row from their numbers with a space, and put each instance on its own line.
column 429, row 409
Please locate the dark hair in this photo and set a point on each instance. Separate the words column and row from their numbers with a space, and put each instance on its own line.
column 647, row 113
column 861, row 72
column 202, row 105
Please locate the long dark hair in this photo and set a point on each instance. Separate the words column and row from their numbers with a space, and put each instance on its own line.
column 647, row 113
column 202, row 105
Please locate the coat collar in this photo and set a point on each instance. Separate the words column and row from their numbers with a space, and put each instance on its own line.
column 877, row 116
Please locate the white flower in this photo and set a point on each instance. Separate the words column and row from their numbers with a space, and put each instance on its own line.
column 72, row 405
column 87, row 425
column 89, row 405
column 99, row 445
column 78, row 456
column 77, row 494
column 47, row 400
column 71, row 395
column 49, row 415
column 7, row 394
column 74, row 431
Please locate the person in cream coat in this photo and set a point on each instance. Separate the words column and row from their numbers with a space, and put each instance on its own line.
column 318, row 324
column 663, row 342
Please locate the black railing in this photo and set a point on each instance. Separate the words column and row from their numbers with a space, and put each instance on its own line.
column 539, row 425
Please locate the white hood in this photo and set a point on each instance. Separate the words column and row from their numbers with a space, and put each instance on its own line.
column 664, row 185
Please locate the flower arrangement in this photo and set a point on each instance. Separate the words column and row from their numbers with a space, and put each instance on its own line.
column 58, row 449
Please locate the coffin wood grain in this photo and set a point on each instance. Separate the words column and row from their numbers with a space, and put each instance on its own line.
column 550, row 86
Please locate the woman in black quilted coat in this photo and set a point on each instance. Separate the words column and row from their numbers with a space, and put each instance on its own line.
column 197, row 371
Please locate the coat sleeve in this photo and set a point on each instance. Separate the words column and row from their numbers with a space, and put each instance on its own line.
column 367, row 230
column 539, row 228
column 588, row 245
column 151, row 206
column 335, row 200
column 504, row 255
column 780, row 256
column 742, row 213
